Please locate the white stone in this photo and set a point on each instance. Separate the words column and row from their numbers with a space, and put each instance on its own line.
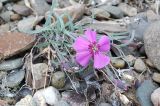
column 51, row 95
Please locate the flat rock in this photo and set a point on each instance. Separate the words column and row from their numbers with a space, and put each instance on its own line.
column 14, row 79
column 11, row 64
column 144, row 92
column 12, row 43
column 51, row 95
column 37, row 6
column 100, row 13
column 6, row 16
column 155, row 97
column 116, row 12
column 151, row 43
column 39, row 71
column 22, row 10
column 27, row 24
column 27, row 101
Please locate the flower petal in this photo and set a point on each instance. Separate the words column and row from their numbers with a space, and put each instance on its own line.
column 104, row 44
column 100, row 60
column 81, row 44
column 83, row 58
column 91, row 35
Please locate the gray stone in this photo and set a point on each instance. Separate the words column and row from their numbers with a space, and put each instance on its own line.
column 100, row 13
column 62, row 103
column 6, row 16
column 58, row 79
column 27, row 101
column 39, row 71
column 27, row 24
column 22, row 10
column 144, row 92
column 139, row 27
column 113, row 10
column 11, row 64
column 51, row 95
column 14, row 79
column 37, row 6
column 151, row 43
column 73, row 98
column 139, row 65
column 156, row 77
column 104, row 104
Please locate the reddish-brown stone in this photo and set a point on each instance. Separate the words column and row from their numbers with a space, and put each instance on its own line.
column 12, row 43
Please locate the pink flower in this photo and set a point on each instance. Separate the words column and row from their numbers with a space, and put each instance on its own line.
column 88, row 48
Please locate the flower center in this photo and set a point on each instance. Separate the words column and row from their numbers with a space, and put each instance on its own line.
column 93, row 48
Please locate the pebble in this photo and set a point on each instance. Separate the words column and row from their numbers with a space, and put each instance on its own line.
column 13, row 43
column 113, row 10
column 39, row 72
column 118, row 63
column 15, row 17
column 51, row 95
column 149, row 63
column 37, row 6
column 156, row 77
column 127, row 9
column 58, row 79
column 104, row 104
column 139, row 65
column 73, row 98
column 130, row 59
column 11, row 64
column 22, row 10
column 27, row 24
column 27, row 101
column 144, row 92
column 155, row 97
column 151, row 43
column 62, row 103
column 6, row 16
column 75, row 11
column 14, row 79
column 100, row 13
column 24, row 91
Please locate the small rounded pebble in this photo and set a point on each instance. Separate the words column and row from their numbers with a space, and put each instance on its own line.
column 118, row 63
